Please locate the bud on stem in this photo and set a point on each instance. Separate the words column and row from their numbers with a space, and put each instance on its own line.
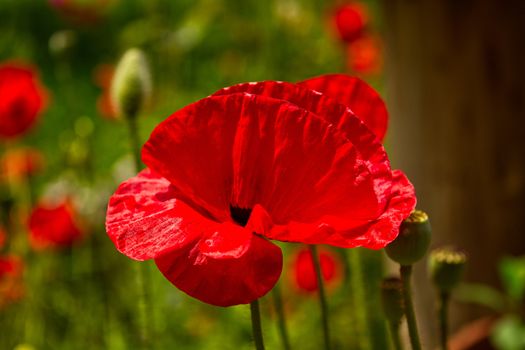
column 131, row 85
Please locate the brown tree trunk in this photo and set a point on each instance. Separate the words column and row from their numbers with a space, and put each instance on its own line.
column 455, row 89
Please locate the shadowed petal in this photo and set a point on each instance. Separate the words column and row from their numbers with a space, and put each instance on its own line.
column 224, row 281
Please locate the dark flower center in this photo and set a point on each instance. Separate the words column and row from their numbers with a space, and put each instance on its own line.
column 240, row 215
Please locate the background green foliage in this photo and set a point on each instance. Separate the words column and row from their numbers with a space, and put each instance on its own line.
column 85, row 297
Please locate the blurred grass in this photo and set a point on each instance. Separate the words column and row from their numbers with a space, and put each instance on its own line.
column 84, row 298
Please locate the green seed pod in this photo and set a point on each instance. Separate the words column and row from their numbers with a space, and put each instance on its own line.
column 131, row 85
column 392, row 299
column 413, row 240
column 446, row 266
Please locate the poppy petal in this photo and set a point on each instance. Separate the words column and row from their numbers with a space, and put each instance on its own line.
column 374, row 234
column 364, row 101
column 222, row 281
column 144, row 219
column 327, row 108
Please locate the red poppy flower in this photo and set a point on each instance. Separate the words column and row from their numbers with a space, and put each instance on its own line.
column 305, row 277
column 350, row 21
column 53, row 226
column 11, row 283
column 21, row 162
column 364, row 55
column 21, row 99
column 254, row 162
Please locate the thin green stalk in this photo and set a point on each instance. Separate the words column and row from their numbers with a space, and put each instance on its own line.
column 256, row 325
column 141, row 272
column 359, row 299
column 322, row 296
column 394, row 335
column 135, row 141
column 281, row 319
column 142, row 305
column 443, row 318
column 406, row 275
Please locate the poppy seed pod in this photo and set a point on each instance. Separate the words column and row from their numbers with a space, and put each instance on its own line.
column 392, row 299
column 131, row 85
column 446, row 266
column 413, row 240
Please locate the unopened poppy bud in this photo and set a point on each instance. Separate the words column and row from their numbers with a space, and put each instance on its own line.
column 392, row 299
column 131, row 85
column 413, row 240
column 446, row 266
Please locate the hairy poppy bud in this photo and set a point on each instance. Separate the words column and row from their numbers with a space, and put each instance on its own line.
column 392, row 299
column 446, row 266
column 131, row 85
column 413, row 240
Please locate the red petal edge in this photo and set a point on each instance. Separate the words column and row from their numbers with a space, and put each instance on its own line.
column 144, row 219
column 353, row 92
column 375, row 234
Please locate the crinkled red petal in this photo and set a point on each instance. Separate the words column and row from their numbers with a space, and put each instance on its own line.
column 363, row 100
column 374, row 234
column 224, row 281
column 327, row 108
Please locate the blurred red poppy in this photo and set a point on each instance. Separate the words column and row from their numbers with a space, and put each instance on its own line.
column 21, row 162
column 364, row 56
column 350, row 21
column 304, row 273
column 11, row 280
column 83, row 12
column 22, row 98
column 3, row 237
column 53, row 226
column 253, row 162
column 103, row 74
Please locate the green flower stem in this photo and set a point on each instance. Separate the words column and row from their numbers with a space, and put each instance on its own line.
column 322, row 296
column 141, row 271
column 142, row 304
column 394, row 335
column 444, row 298
column 281, row 318
column 406, row 275
column 135, row 141
column 256, row 325
column 359, row 298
